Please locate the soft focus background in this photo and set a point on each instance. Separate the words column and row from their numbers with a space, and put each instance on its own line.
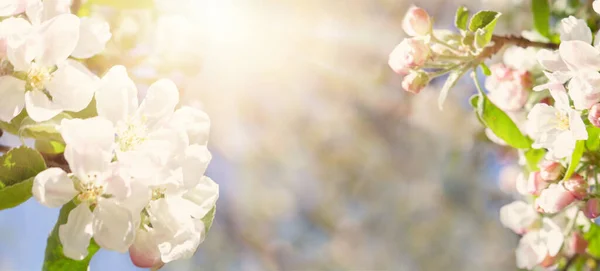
column 323, row 161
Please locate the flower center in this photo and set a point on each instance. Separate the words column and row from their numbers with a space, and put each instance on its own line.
column 131, row 135
column 562, row 121
column 158, row 193
column 89, row 190
column 37, row 77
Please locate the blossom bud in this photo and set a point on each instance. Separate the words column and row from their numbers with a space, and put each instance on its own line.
column 415, row 82
column 410, row 53
column 592, row 208
column 577, row 186
column 416, row 22
column 554, row 199
column 508, row 87
column 576, row 244
column 594, row 115
column 535, row 184
column 550, row 170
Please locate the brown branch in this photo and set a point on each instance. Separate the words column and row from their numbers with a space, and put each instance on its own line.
column 75, row 6
column 501, row 41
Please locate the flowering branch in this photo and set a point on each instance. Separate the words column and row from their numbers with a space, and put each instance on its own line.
column 501, row 41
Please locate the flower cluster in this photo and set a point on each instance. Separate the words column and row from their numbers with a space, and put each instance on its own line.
column 543, row 101
column 135, row 172
column 137, row 175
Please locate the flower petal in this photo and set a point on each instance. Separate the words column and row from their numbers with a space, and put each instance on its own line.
column 12, row 91
column 94, row 131
column 571, row 28
column 72, row 86
column 194, row 121
column 21, row 50
column 34, row 11
column 11, row 7
column 577, row 126
column 204, row 195
column 88, row 163
column 194, row 165
column 53, row 188
column 160, row 101
column 550, row 60
column 75, row 235
column 59, row 37
column 579, row 55
column 116, row 99
column 53, row 8
column 144, row 252
column 93, row 35
column 39, row 107
column 113, row 226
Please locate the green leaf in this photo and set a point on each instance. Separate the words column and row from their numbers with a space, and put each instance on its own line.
column 18, row 167
column 483, row 24
column 14, row 195
column 208, row 219
column 593, row 141
column 450, row 82
column 485, row 69
column 533, row 157
column 55, row 260
column 502, row 126
column 50, row 147
column 13, row 126
column 88, row 112
column 541, row 17
column 45, row 130
column 575, row 157
column 462, row 17
column 593, row 238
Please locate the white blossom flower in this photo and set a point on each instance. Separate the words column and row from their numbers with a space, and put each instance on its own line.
column 571, row 28
column 94, row 181
column 537, row 246
column 556, row 128
column 518, row 216
column 12, row 7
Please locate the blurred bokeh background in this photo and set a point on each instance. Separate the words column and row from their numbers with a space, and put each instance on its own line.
column 323, row 161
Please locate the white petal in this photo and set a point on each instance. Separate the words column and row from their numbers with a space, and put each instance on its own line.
column 144, row 252
column 72, row 86
column 15, row 29
column 116, row 99
column 39, row 107
column 53, row 188
column 11, row 7
column 12, row 91
column 194, row 165
column 577, row 126
column 53, row 8
column 75, row 235
column 579, row 55
column 572, row 28
column 93, row 35
column 205, row 195
column 88, row 163
column 596, row 6
column 34, row 11
column 113, row 226
column 59, row 36
column 94, row 131
column 194, row 121
column 160, row 101
column 559, row 94
column 181, row 246
column 21, row 50
column 550, row 60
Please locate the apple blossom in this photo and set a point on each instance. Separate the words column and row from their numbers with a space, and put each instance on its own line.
column 416, row 22
column 410, row 53
column 577, row 186
column 518, row 216
column 540, row 246
column 554, row 199
column 592, row 208
column 576, row 244
column 550, row 170
column 414, row 82
column 508, row 87
column 594, row 115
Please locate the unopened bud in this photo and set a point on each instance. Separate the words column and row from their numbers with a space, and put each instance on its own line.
column 535, row 184
column 577, row 186
column 554, row 199
column 594, row 115
column 550, row 170
column 415, row 82
column 592, row 208
column 416, row 22
column 410, row 53
column 576, row 244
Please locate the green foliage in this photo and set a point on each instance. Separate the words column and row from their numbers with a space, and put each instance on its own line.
column 593, row 141
column 533, row 157
column 483, row 24
column 593, row 238
column 17, row 169
column 450, row 82
column 50, row 147
column 208, row 219
column 541, row 17
column 485, row 69
column 88, row 112
column 55, row 260
column 43, row 130
column 462, row 17
column 502, row 126
column 575, row 157
column 13, row 126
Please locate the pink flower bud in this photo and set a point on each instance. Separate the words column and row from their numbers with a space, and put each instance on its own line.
column 415, row 82
column 550, row 170
column 535, row 184
column 592, row 208
column 577, row 186
column 416, row 22
column 594, row 115
column 576, row 244
column 554, row 199
column 410, row 53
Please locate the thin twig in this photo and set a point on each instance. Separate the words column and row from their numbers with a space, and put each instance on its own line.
column 501, row 41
